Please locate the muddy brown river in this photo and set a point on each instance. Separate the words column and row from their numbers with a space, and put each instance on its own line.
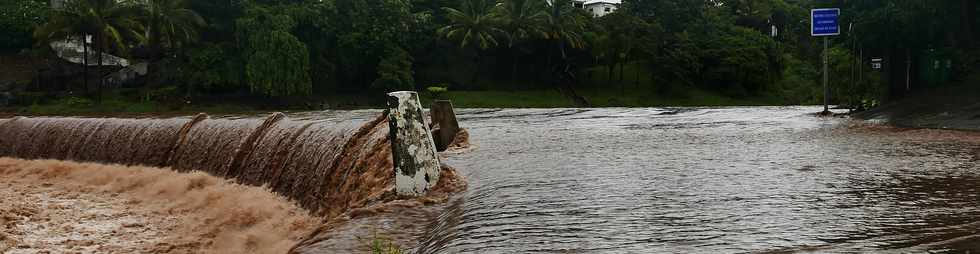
column 687, row 180
column 706, row 180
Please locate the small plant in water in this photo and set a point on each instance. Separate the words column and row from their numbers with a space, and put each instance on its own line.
column 385, row 246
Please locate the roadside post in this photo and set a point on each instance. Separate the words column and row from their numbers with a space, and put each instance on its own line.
column 413, row 150
column 824, row 23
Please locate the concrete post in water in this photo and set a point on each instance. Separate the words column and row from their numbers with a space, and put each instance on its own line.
column 443, row 116
column 414, row 151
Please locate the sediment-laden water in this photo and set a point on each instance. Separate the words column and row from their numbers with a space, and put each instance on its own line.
column 691, row 180
column 708, row 180
column 51, row 206
column 327, row 163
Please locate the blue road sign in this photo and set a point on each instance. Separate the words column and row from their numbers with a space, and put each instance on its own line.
column 823, row 22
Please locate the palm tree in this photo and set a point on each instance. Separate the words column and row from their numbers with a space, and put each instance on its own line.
column 522, row 19
column 111, row 24
column 170, row 20
column 68, row 22
column 116, row 22
column 474, row 24
column 564, row 24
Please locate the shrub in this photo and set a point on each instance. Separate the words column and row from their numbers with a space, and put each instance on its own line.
column 798, row 84
column 395, row 72
column 438, row 91
column 163, row 94
column 27, row 98
column 76, row 102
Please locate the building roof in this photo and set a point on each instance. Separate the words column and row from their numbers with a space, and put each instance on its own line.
column 591, row 2
column 72, row 51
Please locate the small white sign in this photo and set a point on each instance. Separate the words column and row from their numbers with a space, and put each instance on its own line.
column 876, row 63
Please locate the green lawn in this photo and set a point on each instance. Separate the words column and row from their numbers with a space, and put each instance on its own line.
column 633, row 91
column 113, row 105
column 598, row 98
column 505, row 99
column 545, row 98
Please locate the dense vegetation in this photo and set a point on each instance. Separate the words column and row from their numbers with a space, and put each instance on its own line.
column 649, row 52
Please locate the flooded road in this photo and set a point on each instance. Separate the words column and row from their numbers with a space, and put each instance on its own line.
column 728, row 180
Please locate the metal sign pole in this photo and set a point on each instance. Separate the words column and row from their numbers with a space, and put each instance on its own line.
column 826, row 88
column 824, row 23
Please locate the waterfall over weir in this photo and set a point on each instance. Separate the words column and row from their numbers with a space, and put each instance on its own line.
column 325, row 166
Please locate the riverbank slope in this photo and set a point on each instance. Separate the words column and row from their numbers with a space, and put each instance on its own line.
column 121, row 104
column 954, row 108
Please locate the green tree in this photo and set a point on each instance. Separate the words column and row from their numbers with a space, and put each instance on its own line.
column 899, row 30
column 395, row 72
column 317, row 26
column 220, row 17
column 172, row 21
column 564, row 24
column 678, row 63
column 849, row 90
column 627, row 36
column 798, row 85
column 676, row 16
column 209, row 66
column 116, row 23
column 110, row 23
column 474, row 24
column 277, row 63
column 17, row 21
column 737, row 62
column 522, row 19
column 366, row 33
column 565, row 27
column 751, row 13
column 71, row 21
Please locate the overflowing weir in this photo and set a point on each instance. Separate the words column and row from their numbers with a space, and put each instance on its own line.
column 325, row 166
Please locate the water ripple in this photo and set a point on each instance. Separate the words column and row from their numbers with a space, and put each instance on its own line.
column 703, row 180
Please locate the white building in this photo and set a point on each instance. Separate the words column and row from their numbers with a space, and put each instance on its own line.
column 598, row 8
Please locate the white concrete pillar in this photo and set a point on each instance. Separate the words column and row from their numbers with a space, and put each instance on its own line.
column 414, row 151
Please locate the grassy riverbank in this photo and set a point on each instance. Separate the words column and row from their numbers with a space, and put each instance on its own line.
column 613, row 97
column 598, row 98
column 950, row 106
column 120, row 107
